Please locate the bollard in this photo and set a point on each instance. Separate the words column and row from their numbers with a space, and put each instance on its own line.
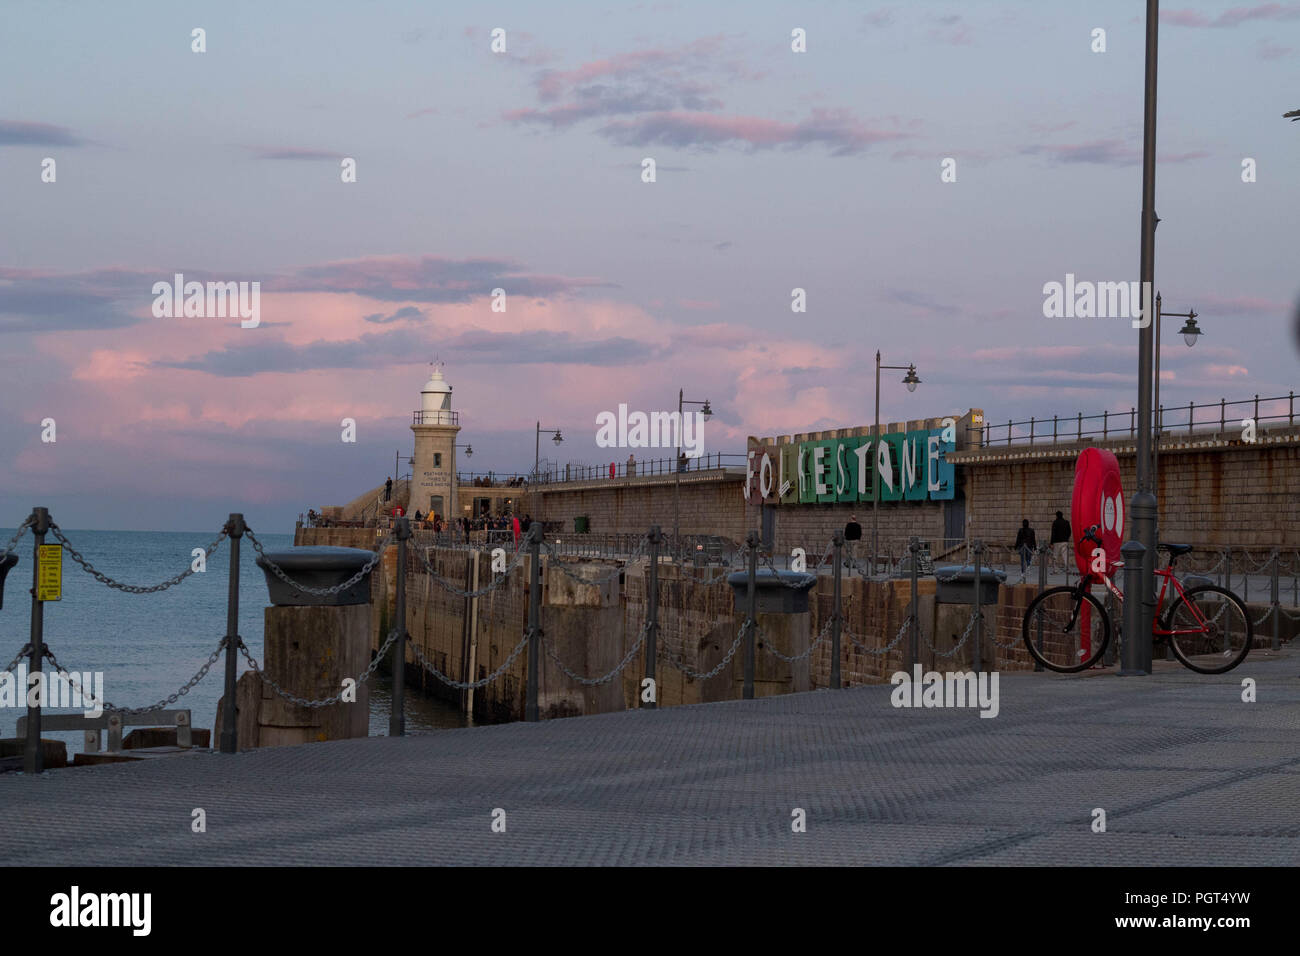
column 1133, row 663
column 751, row 540
column 1273, row 599
column 33, row 756
column 1043, row 552
column 235, row 528
column 397, row 718
column 979, row 617
column 652, row 610
column 837, row 543
column 914, row 645
column 534, row 623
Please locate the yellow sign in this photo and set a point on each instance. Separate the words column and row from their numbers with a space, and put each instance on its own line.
column 49, row 573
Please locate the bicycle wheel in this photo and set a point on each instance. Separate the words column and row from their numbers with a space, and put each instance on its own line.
column 1217, row 629
column 1063, row 633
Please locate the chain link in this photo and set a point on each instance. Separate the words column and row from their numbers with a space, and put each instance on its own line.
column 13, row 542
column 495, row 583
column 563, row 568
column 132, row 588
column 802, row 655
column 970, row 625
column 878, row 650
column 596, row 681
column 333, row 589
column 25, row 652
column 110, row 707
column 677, row 661
column 474, row 684
column 328, row 701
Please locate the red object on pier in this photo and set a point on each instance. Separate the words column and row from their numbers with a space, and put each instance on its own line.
column 1098, row 499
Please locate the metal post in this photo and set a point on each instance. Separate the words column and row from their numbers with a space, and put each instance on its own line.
column 1043, row 552
column 1191, row 417
column 751, row 624
column 914, row 644
column 652, row 607
column 1031, row 429
column 1133, row 663
column 397, row 718
column 235, row 529
column 875, row 470
column 979, row 619
column 837, row 544
column 1273, row 596
column 33, row 756
column 1080, row 435
column 534, row 623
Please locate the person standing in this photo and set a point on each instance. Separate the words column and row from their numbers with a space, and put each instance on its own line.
column 1061, row 540
column 388, row 490
column 852, row 533
column 1025, row 544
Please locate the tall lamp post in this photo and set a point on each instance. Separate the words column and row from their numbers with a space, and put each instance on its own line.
column 537, row 445
column 1139, row 608
column 1190, row 333
column 677, row 468
column 911, row 381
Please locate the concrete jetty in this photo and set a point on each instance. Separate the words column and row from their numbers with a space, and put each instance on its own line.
column 1186, row 772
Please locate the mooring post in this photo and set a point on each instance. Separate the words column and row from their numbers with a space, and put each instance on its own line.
column 534, row 622
column 397, row 718
column 1273, row 599
column 235, row 529
column 1043, row 552
column 655, row 537
column 751, row 609
column 33, row 756
column 914, row 643
column 837, row 544
column 979, row 617
column 1132, row 661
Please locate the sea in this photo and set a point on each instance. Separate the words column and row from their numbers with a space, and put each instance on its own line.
column 149, row 645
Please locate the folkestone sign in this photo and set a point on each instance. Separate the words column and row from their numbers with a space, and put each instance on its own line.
column 908, row 466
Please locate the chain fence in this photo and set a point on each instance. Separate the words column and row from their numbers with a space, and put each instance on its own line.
column 110, row 707
column 133, row 588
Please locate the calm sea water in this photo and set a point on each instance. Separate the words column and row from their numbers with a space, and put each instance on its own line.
column 148, row 645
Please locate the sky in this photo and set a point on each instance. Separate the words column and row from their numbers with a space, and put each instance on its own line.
column 522, row 170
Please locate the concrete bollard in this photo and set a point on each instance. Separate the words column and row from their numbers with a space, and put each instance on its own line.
column 312, row 643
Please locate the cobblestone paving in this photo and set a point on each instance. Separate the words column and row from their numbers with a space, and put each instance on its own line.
column 1186, row 772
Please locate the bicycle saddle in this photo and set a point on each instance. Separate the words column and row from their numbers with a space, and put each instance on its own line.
column 1174, row 549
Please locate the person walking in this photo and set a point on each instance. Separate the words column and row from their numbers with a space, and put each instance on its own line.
column 388, row 490
column 1025, row 544
column 1061, row 540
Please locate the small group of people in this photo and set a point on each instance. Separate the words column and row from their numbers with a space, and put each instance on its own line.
column 1027, row 542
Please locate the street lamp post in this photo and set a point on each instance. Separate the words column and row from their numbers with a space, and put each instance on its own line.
column 1190, row 333
column 1139, row 608
column 537, row 445
column 677, row 468
column 911, row 381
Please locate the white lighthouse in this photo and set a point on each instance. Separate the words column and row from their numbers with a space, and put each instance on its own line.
column 433, row 469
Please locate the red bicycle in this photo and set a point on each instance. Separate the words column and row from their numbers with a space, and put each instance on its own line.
column 1066, row 629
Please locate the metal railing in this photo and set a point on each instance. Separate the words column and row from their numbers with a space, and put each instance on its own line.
column 1173, row 420
column 637, row 469
column 440, row 416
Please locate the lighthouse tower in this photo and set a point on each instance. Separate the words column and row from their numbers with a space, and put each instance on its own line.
column 433, row 470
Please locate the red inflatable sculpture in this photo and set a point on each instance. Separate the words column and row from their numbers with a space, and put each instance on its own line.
column 1098, row 499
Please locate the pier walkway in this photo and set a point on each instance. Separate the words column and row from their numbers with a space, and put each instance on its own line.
column 1186, row 772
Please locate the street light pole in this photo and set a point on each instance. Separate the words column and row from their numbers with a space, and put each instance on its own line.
column 537, row 445
column 682, row 402
column 1190, row 332
column 1138, row 609
column 911, row 381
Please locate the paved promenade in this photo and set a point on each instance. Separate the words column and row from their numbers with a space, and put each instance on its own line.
column 1186, row 772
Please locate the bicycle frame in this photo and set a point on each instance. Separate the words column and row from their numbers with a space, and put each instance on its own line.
column 1167, row 573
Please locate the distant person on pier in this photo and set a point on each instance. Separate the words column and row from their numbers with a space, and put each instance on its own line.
column 1025, row 544
column 514, row 527
column 388, row 490
column 852, row 533
column 1060, row 539
column 631, row 466
column 418, row 518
